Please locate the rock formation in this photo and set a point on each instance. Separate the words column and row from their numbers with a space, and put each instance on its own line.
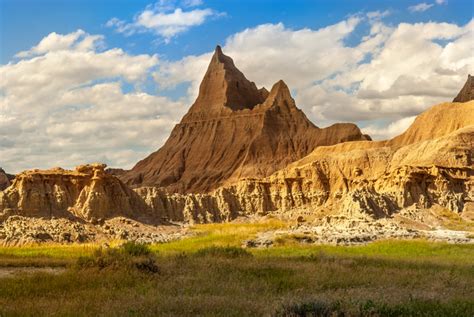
column 87, row 193
column 430, row 164
column 5, row 179
column 233, row 130
column 467, row 92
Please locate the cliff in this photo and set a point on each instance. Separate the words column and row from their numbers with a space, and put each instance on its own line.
column 87, row 193
column 233, row 130
column 419, row 169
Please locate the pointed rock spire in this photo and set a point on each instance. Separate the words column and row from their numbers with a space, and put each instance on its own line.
column 224, row 88
column 233, row 130
column 467, row 92
column 280, row 96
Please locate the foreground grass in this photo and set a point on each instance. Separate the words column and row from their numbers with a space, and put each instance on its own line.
column 208, row 275
column 220, row 281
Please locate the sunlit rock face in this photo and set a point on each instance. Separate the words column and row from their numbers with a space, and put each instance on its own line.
column 430, row 164
column 232, row 131
column 467, row 92
column 86, row 193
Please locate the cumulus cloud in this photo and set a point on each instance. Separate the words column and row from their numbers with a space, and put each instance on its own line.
column 64, row 104
column 69, row 100
column 391, row 73
column 79, row 41
column 393, row 129
column 421, row 7
column 164, row 20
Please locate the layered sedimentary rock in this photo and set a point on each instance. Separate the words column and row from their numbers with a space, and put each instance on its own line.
column 87, row 193
column 467, row 92
column 430, row 164
column 233, row 130
column 5, row 179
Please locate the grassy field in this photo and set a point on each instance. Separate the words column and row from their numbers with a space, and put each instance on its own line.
column 209, row 275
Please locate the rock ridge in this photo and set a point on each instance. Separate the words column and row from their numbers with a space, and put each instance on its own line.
column 233, row 130
column 467, row 92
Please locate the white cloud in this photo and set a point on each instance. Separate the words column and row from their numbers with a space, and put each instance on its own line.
column 67, row 106
column 421, row 7
column 64, row 102
column 270, row 52
column 393, row 129
column 164, row 20
column 377, row 15
column 194, row 3
column 441, row 1
column 391, row 73
column 79, row 40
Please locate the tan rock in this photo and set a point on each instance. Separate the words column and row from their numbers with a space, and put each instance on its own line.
column 233, row 130
column 357, row 179
column 467, row 91
column 5, row 179
column 86, row 193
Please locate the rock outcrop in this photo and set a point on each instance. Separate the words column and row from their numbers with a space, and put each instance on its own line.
column 87, row 193
column 423, row 167
column 233, row 130
column 368, row 180
column 467, row 92
column 5, row 179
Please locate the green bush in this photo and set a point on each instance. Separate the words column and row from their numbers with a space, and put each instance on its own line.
column 129, row 256
column 135, row 249
column 225, row 252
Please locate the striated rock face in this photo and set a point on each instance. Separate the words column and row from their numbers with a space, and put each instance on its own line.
column 467, row 92
column 87, row 193
column 5, row 179
column 233, row 130
column 421, row 168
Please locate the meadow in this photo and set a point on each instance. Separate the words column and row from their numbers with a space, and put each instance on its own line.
column 209, row 274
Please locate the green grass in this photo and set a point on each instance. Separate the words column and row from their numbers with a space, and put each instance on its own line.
column 209, row 275
column 229, row 234
column 218, row 283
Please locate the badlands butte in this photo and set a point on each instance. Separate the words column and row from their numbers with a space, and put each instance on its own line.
column 245, row 154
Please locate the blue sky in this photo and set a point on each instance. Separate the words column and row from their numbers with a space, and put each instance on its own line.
column 25, row 22
column 84, row 81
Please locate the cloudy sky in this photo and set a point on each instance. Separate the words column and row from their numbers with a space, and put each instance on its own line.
column 96, row 80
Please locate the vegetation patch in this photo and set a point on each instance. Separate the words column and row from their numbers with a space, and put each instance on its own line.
column 225, row 252
column 420, row 308
column 128, row 256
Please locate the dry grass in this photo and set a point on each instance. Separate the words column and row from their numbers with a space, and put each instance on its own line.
column 209, row 275
column 222, row 284
column 453, row 221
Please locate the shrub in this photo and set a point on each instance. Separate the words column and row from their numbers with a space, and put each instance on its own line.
column 135, row 249
column 129, row 256
column 225, row 252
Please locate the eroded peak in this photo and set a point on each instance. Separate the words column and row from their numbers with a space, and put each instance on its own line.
column 280, row 96
column 467, row 92
column 224, row 87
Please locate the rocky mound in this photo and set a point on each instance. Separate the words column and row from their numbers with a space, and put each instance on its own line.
column 87, row 193
column 438, row 121
column 467, row 92
column 5, row 179
column 233, row 130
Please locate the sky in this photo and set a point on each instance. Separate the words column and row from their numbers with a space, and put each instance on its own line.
column 86, row 81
